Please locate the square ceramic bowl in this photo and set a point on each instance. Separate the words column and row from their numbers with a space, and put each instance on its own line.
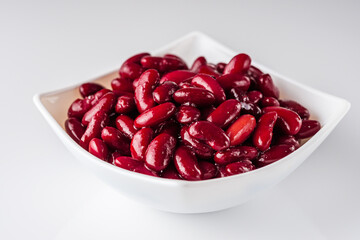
column 201, row 196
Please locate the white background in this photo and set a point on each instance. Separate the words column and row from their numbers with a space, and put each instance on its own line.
column 46, row 194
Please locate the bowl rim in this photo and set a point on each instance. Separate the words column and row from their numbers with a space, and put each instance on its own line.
column 69, row 142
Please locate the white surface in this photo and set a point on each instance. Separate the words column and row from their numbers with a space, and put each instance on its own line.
column 197, row 196
column 46, row 194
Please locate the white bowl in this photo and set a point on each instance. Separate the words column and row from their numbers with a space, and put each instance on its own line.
column 201, row 196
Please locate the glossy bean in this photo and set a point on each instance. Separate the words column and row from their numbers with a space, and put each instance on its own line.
column 200, row 61
column 105, row 104
column 206, row 69
column 208, row 169
column 269, row 101
column 239, row 167
column 74, row 128
column 116, row 140
column 267, row 86
column 290, row 122
column 225, row 113
column 187, row 114
column 264, row 131
column 126, row 125
column 163, row 93
column 238, row 64
column 308, row 129
column 125, row 105
column 159, row 152
column 140, row 142
column 143, row 92
column 187, row 164
column 98, row 148
column 90, row 88
column 274, row 154
column 234, row 80
column 132, row 68
column 155, row 115
column 197, row 96
column 201, row 149
column 209, row 83
column 208, row 132
column 255, row 96
column 241, row 129
column 296, row 107
column 122, row 84
column 93, row 130
column 78, row 108
column 235, row 154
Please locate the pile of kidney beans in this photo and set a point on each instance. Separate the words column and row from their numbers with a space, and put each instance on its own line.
column 166, row 120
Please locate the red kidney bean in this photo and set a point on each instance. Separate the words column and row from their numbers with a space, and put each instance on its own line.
column 296, row 107
column 171, row 127
column 187, row 164
column 163, row 93
column 93, row 130
column 200, row 61
column 254, row 72
column 143, row 93
column 288, row 140
column 144, row 170
column 152, row 62
column 220, row 67
column 239, row 167
column 225, row 113
column 187, row 114
column 105, row 104
column 208, row 170
column 74, row 128
column 155, row 115
column 206, row 69
column 241, row 129
column 171, row 173
column 198, row 96
column 234, row 80
column 125, row 104
column 172, row 63
column 94, row 99
column 255, row 96
column 159, row 152
column 131, row 68
column 208, row 132
column 290, row 121
column 140, row 142
column 127, row 163
column 201, row 149
column 239, row 95
column 78, row 108
column 116, row 140
column 177, row 76
column 119, row 93
column 209, row 83
column 126, row 125
column 273, row 154
column 264, row 131
column 177, row 58
column 87, row 89
column 308, row 129
column 267, row 86
column 269, row 101
column 122, row 84
column 238, row 64
column 98, row 148
column 235, row 154
column 251, row 108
